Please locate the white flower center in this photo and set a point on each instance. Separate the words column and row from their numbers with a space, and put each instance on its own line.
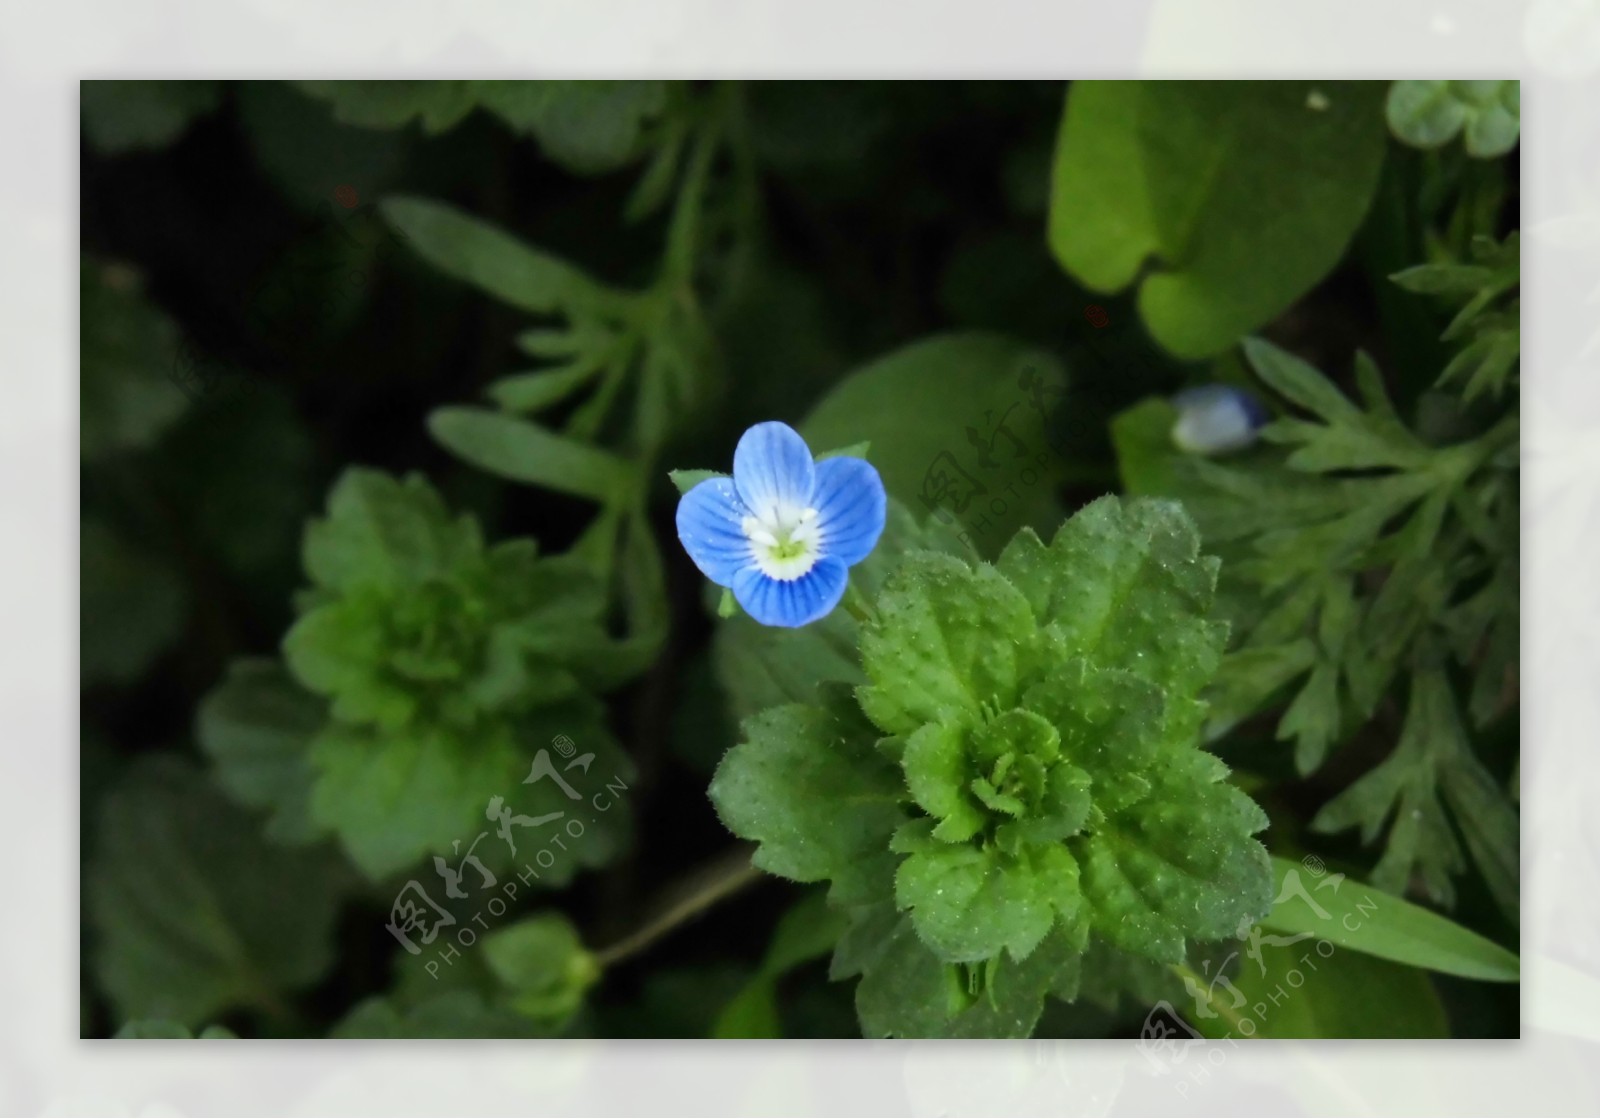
column 785, row 541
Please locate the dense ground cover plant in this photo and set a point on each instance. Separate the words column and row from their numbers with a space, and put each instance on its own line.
column 799, row 559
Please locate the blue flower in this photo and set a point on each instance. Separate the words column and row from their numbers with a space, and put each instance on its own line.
column 1214, row 419
column 784, row 531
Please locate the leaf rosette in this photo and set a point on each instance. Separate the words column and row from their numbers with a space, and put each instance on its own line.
column 1020, row 773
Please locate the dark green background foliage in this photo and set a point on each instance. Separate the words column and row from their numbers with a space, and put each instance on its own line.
column 381, row 387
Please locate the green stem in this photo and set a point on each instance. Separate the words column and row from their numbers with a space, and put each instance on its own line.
column 857, row 605
column 1224, row 1011
column 722, row 878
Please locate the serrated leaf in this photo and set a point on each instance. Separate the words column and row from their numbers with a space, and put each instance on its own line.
column 587, row 126
column 1179, row 865
column 907, row 991
column 946, row 641
column 807, row 784
column 1123, row 585
column 257, row 727
column 970, row 904
column 193, row 912
column 544, row 967
column 394, row 797
column 380, row 531
column 132, row 366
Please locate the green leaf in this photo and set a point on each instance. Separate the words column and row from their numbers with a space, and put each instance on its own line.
column 544, row 966
column 1429, row 114
column 149, row 1029
column 1243, row 194
column 589, row 127
column 192, row 912
column 1363, row 918
column 451, row 1014
column 1312, row 720
column 907, row 991
column 120, row 116
column 316, row 160
column 133, row 605
column 1249, row 677
column 763, row 666
column 1124, row 585
column 1348, row 438
column 854, row 450
column 523, row 451
column 807, row 784
column 807, row 931
column 1180, row 864
column 131, row 363
column 1432, row 754
column 380, row 531
column 686, row 480
column 1101, row 226
column 1299, row 382
column 478, row 253
column 1142, row 437
column 970, row 903
column 394, row 797
column 1294, row 991
column 957, row 427
column 946, row 640
column 394, row 104
column 257, row 727
column 532, row 393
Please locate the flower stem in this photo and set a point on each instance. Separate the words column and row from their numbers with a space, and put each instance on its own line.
column 1226, row 1012
column 719, row 879
column 858, row 606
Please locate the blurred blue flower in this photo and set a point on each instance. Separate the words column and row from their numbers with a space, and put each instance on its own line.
column 1215, row 419
column 784, row 530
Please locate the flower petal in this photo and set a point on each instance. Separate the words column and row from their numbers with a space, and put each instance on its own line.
column 851, row 507
column 772, row 469
column 792, row 602
column 709, row 525
column 1214, row 419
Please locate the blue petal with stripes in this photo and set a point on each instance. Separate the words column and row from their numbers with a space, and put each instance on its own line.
column 784, row 531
